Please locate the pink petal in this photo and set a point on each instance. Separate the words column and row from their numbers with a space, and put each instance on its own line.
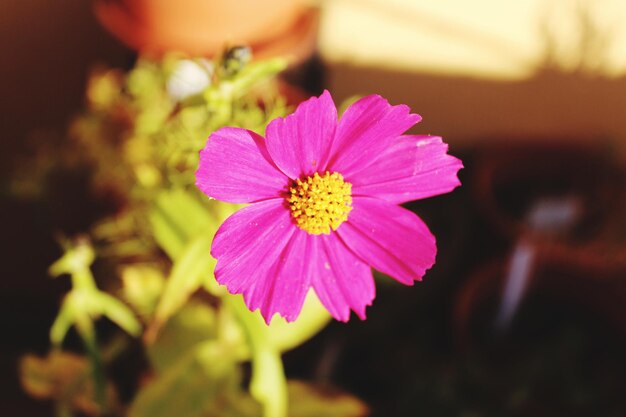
column 262, row 255
column 340, row 279
column 235, row 167
column 282, row 288
column 365, row 130
column 300, row 143
column 413, row 167
column 390, row 238
column 248, row 243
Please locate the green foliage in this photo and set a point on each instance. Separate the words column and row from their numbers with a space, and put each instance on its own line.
column 194, row 323
column 194, row 266
column 85, row 301
column 178, row 216
column 142, row 286
column 203, row 382
column 309, row 401
column 140, row 136
column 64, row 377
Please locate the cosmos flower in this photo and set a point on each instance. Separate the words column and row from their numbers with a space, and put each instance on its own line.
column 324, row 209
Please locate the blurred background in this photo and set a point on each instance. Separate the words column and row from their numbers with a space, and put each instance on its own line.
column 524, row 313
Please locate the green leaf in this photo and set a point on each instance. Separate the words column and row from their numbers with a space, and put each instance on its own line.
column 79, row 308
column 168, row 237
column 194, row 323
column 62, row 323
column 280, row 334
column 205, row 382
column 178, row 216
column 142, row 287
column 306, row 400
column 313, row 318
column 184, row 228
column 194, row 266
column 252, row 74
column 118, row 313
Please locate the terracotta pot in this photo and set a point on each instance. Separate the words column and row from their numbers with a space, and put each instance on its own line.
column 206, row 27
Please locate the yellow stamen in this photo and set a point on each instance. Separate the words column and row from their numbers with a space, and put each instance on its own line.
column 320, row 203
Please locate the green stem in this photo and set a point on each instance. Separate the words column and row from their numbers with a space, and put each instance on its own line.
column 88, row 336
column 268, row 384
column 83, row 279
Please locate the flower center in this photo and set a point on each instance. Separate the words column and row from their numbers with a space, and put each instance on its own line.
column 320, row 203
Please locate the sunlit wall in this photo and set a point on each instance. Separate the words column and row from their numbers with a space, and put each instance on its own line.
column 486, row 69
column 482, row 38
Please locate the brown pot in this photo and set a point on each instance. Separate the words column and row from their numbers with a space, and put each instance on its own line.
column 206, row 27
column 508, row 179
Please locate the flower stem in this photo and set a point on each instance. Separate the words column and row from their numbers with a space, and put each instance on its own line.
column 268, row 384
column 88, row 336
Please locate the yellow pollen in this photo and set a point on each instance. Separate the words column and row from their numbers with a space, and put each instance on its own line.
column 320, row 203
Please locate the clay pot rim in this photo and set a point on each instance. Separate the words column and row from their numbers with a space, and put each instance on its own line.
column 296, row 37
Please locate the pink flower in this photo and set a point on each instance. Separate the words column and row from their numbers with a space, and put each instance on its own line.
column 325, row 198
